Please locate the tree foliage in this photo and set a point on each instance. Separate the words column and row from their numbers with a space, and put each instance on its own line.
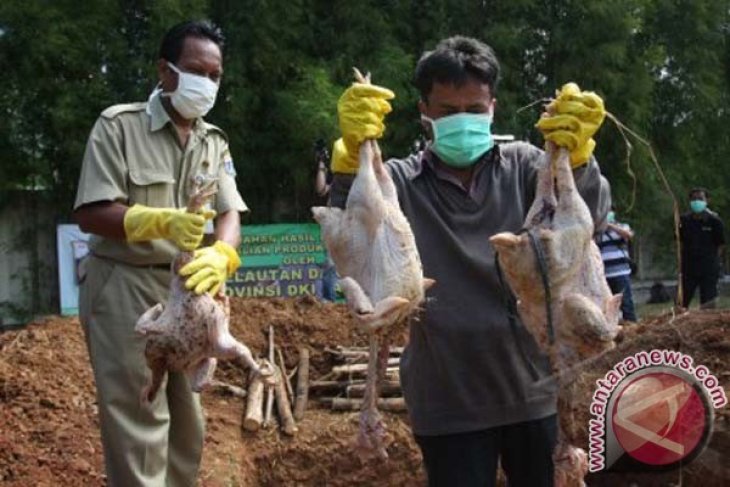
column 663, row 67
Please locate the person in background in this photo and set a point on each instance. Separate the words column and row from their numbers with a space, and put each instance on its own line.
column 702, row 238
column 614, row 246
column 134, row 186
column 322, row 185
column 472, row 382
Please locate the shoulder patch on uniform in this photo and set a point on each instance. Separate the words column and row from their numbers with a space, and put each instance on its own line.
column 115, row 110
column 228, row 166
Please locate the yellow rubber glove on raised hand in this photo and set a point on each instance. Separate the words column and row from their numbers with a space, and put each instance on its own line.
column 571, row 120
column 361, row 111
column 184, row 229
column 210, row 267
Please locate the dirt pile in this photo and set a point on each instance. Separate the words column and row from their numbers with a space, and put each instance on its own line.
column 49, row 431
column 705, row 337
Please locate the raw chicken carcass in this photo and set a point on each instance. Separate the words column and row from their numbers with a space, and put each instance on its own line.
column 554, row 268
column 374, row 250
column 575, row 316
column 191, row 332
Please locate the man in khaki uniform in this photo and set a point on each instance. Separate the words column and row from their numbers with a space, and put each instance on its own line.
column 134, row 186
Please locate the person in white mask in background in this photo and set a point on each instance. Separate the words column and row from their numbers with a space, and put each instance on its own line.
column 133, row 190
column 471, row 373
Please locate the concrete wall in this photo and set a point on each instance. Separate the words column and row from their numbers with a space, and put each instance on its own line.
column 28, row 262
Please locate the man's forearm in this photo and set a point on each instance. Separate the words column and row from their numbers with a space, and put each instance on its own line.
column 625, row 234
column 228, row 228
column 105, row 218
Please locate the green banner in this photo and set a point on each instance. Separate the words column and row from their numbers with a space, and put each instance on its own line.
column 281, row 260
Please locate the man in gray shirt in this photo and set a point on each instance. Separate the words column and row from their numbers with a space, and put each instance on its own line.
column 469, row 378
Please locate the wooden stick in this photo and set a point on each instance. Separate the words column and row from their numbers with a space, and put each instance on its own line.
column 325, row 401
column 254, row 405
column 231, row 389
column 345, row 350
column 331, row 385
column 292, row 373
column 387, row 388
column 358, row 352
column 361, row 368
column 395, row 404
column 269, row 391
column 288, row 425
column 284, row 376
column 300, row 404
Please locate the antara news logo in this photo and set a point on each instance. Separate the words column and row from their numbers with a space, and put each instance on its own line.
column 651, row 412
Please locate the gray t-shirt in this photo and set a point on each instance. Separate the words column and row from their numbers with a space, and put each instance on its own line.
column 465, row 368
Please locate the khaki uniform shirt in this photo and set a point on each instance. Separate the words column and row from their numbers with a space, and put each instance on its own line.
column 133, row 155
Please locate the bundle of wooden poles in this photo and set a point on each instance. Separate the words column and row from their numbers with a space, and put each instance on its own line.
column 342, row 388
column 260, row 399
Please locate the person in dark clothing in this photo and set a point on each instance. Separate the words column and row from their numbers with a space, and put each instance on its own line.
column 702, row 242
column 658, row 294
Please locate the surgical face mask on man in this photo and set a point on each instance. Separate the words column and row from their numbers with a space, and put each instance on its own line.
column 195, row 95
column 698, row 206
column 461, row 139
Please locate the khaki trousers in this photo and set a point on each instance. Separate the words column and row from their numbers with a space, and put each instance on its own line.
column 155, row 445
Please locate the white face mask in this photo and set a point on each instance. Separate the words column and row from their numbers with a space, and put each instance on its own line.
column 194, row 96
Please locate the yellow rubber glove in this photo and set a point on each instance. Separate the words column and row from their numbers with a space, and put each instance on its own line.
column 572, row 119
column 184, row 229
column 361, row 111
column 210, row 267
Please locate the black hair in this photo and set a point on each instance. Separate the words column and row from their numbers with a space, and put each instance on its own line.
column 698, row 190
column 172, row 44
column 454, row 61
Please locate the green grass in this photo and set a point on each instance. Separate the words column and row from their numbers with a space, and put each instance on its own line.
column 645, row 310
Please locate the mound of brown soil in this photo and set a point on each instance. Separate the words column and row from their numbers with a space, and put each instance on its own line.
column 705, row 337
column 49, row 430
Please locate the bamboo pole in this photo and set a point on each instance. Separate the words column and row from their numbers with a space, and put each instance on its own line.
column 300, row 404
